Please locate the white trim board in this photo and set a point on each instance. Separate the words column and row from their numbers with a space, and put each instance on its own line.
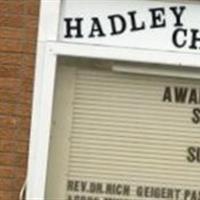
column 126, row 54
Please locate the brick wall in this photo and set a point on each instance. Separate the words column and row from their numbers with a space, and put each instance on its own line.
column 18, row 32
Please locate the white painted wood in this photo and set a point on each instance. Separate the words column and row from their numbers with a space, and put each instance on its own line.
column 123, row 54
column 158, row 71
column 44, row 74
column 49, row 20
column 41, row 122
column 31, row 174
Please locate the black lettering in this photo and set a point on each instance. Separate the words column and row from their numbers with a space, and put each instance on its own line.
column 193, row 97
column 180, row 94
column 113, row 20
column 196, row 115
column 148, row 192
column 176, row 37
column 118, row 189
column 157, row 192
column 96, row 28
column 70, row 185
column 134, row 25
column 92, row 187
column 76, row 27
column 194, row 154
column 195, row 38
column 76, row 185
column 177, row 193
column 126, row 190
column 99, row 188
column 109, row 189
column 191, row 154
column 69, row 197
column 178, row 13
column 198, row 154
column 83, row 186
column 158, row 19
column 167, row 95
column 187, row 194
column 139, row 191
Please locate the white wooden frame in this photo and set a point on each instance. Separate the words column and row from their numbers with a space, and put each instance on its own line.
column 43, row 98
column 47, row 52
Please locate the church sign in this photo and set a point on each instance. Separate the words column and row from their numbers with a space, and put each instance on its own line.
column 135, row 24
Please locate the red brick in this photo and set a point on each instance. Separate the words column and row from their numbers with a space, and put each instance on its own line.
column 3, row 7
column 11, row 33
column 27, row 71
column 31, row 21
column 7, row 172
column 8, row 95
column 10, row 83
column 7, row 108
column 32, row 7
column 18, row 33
column 23, row 110
column 7, row 134
column 29, row 47
column 20, row 160
column 24, row 122
column 15, row 195
column 8, row 122
column 19, row 172
column 6, row 195
column 29, row 60
column 7, row 159
column 12, row 7
column 21, row 147
column 11, row 71
column 18, row 183
column 10, row 46
column 6, row 184
column 23, row 134
column 23, row 97
column 26, row 97
column 31, row 34
column 7, row 146
column 14, row 21
column 27, row 85
column 11, row 58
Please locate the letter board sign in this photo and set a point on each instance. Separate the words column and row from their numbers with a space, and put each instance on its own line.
column 124, row 136
column 148, row 25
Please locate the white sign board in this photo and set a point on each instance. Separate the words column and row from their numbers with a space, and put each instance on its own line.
column 145, row 25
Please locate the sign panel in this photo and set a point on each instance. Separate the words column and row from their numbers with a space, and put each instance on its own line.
column 134, row 137
column 128, row 136
column 146, row 24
